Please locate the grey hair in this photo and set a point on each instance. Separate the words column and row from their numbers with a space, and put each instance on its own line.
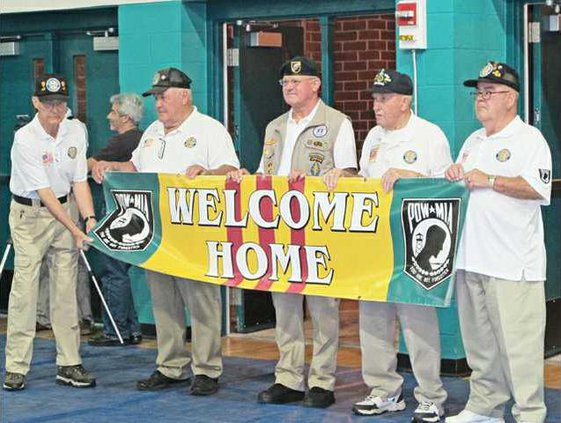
column 129, row 104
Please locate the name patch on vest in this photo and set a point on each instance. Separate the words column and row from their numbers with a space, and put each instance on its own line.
column 317, row 144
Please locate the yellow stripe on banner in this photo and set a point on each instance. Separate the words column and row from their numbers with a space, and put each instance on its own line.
column 358, row 253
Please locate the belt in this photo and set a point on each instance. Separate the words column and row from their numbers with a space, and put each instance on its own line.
column 30, row 202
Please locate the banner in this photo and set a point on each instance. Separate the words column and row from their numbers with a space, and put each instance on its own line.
column 267, row 234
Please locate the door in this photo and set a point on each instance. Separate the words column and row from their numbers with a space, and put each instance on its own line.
column 257, row 99
column 543, row 61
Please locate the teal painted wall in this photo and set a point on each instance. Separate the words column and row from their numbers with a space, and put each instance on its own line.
column 153, row 36
column 461, row 37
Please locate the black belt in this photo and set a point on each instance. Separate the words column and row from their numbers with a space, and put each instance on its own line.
column 29, row 202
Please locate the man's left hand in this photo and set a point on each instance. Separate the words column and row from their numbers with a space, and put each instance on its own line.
column 194, row 170
column 392, row 175
column 476, row 179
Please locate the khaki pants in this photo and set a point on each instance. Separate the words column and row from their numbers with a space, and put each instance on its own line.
column 35, row 232
column 420, row 329
column 290, row 340
column 170, row 296
column 503, row 329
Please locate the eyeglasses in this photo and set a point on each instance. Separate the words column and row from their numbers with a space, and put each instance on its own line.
column 54, row 104
column 294, row 82
column 485, row 95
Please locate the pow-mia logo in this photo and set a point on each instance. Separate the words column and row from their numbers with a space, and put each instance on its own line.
column 503, row 155
column 131, row 226
column 410, row 157
column 72, row 151
column 320, row 131
column 430, row 229
column 296, row 66
column 382, row 78
column 190, row 142
column 545, row 175
column 53, row 85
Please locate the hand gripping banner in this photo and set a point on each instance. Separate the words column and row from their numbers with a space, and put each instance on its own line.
column 271, row 235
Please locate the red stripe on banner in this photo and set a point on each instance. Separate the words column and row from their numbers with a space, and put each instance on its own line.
column 266, row 236
column 298, row 237
column 235, row 235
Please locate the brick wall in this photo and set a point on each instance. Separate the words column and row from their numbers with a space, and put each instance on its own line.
column 362, row 46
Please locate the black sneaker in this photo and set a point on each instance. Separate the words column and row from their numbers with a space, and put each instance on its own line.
column 75, row 376
column 158, row 381
column 319, row 398
column 427, row 412
column 14, row 381
column 204, row 385
column 103, row 340
column 279, row 394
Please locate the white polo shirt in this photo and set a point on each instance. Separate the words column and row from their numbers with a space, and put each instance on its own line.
column 41, row 161
column 344, row 148
column 503, row 236
column 199, row 140
column 420, row 146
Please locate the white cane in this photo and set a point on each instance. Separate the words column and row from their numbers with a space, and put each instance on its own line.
column 5, row 256
column 94, row 280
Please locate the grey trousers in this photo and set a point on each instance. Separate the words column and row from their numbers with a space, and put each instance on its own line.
column 289, row 313
column 170, row 296
column 503, row 329
column 378, row 331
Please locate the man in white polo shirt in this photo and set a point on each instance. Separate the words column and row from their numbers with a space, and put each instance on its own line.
column 48, row 161
column 501, row 260
column 309, row 140
column 185, row 141
column 401, row 145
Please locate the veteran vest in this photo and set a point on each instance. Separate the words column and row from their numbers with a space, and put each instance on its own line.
column 313, row 151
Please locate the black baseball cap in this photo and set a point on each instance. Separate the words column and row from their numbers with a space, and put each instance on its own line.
column 496, row 73
column 168, row 78
column 51, row 87
column 392, row 81
column 299, row 65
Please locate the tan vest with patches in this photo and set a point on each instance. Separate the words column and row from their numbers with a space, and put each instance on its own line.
column 313, row 151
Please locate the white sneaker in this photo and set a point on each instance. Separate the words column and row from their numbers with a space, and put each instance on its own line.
column 378, row 405
column 427, row 411
column 467, row 416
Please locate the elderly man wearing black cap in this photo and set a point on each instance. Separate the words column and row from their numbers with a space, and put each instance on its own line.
column 401, row 145
column 182, row 140
column 48, row 161
column 309, row 140
column 501, row 259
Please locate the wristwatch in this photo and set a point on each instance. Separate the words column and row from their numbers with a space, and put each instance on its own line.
column 491, row 181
